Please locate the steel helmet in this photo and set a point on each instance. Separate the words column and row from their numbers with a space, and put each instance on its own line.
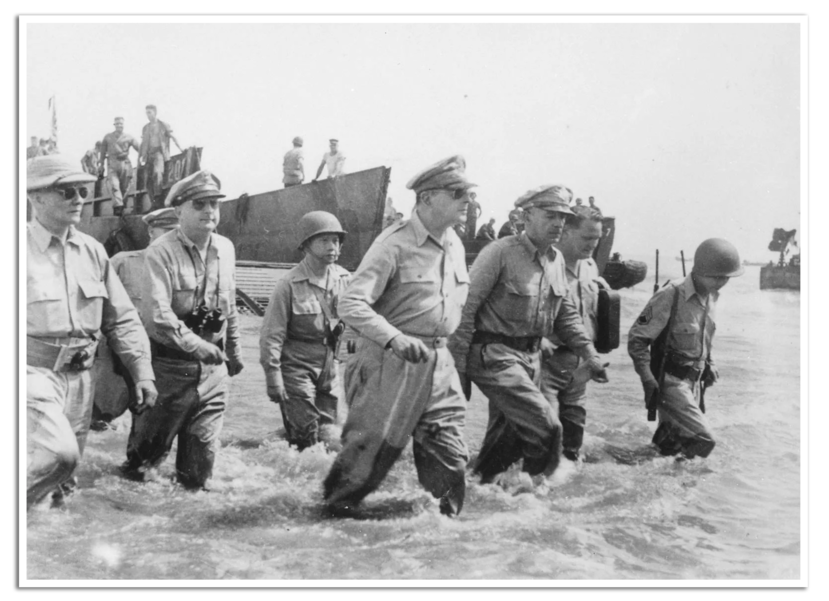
column 717, row 257
column 319, row 222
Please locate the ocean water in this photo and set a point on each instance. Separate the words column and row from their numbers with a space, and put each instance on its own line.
column 623, row 514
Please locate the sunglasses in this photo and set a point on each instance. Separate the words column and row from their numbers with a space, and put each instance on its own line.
column 69, row 192
column 200, row 203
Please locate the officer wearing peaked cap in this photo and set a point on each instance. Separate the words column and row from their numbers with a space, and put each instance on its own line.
column 300, row 333
column 72, row 295
column 188, row 304
column 112, row 381
column 518, row 295
column 405, row 299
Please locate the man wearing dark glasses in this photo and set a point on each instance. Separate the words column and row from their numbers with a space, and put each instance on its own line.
column 72, row 295
column 405, row 299
column 188, row 305
column 115, row 149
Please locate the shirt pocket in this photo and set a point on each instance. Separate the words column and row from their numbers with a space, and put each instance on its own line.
column 184, row 294
column 685, row 337
column 91, row 304
column 417, row 275
column 461, row 286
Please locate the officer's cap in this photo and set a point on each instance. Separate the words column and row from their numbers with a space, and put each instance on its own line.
column 53, row 170
column 164, row 218
column 447, row 174
column 550, row 197
column 202, row 184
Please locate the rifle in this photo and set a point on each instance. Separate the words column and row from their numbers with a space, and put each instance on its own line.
column 656, row 277
column 659, row 354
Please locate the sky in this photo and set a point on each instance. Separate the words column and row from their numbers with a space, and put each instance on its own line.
column 682, row 131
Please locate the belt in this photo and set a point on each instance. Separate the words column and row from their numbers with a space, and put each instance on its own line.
column 61, row 353
column 161, row 351
column 525, row 344
column 430, row 341
column 683, row 372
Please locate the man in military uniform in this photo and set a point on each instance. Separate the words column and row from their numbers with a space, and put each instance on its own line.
column 682, row 316
column 518, row 295
column 115, row 150
column 580, row 237
column 188, row 305
column 155, row 148
column 293, row 168
column 404, row 300
column 513, row 225
column 72, row 294
column 112, row 382
column 300, row 332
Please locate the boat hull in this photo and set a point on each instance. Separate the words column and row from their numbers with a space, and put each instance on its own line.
column 780, row 277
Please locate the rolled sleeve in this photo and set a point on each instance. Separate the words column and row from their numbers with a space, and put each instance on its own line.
column 483, row 277
column 122, row 326
column 365, row 288
column 274, row 332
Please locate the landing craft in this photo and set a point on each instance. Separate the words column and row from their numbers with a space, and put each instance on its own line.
column 785, row 274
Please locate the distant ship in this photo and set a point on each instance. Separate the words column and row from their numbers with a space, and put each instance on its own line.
column 785, row 274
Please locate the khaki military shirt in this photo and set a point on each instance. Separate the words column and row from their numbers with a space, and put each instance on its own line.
column 518, row 292
column 408, row 282
column 129, row 265
column 72, row 291
column 292, row 167
column 178, row 281
column 691, row 333
column 116, row 148
column 295, row 313
column 582, row 280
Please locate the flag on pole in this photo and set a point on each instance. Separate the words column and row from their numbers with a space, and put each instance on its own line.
column 53, row 109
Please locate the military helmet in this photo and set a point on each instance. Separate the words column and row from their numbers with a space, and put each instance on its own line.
column 319, row 222
column 717, row 257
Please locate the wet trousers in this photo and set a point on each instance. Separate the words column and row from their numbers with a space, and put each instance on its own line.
column 523, row 423
column 682, row 424
column 119, row 176
column 191, row 403
column 391, row 400
column 58, row 410
column 311, row 385
column 558, row 386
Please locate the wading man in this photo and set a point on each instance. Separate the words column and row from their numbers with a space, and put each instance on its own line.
column 300, row 334
column 115, row 150
column 112, row 382
column 188, row 305
column 72, row 295
column 580, row 237
column 670, row 344
column 404, row 300
column 518, row 295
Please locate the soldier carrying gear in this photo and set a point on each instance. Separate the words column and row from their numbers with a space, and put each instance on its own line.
column 680, row 320
column 300, row 332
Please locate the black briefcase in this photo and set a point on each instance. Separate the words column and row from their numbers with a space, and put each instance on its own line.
column 608, row 316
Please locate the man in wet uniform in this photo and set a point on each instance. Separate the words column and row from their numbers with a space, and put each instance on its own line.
column 518, row 295
column 404, row 300
column 115, row 150
column 300, row 333
column 684, row 313
column 72, row 295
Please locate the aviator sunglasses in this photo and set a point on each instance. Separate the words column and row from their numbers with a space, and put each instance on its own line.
column 200, row 203
column 69, row 192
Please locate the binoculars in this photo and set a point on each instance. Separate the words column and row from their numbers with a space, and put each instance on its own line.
column 204, row 320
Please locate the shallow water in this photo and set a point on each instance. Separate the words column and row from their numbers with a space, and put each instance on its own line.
column 622, row 514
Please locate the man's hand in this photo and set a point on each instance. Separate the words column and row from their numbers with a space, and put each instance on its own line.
column 410, row 349
column 710, row 375
column 234, row 366
column 210, row 354
column 547, row 348
column 650, row 386
column 597, row 370
column 143, row 397
column 466, row 385
column 277, row 394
